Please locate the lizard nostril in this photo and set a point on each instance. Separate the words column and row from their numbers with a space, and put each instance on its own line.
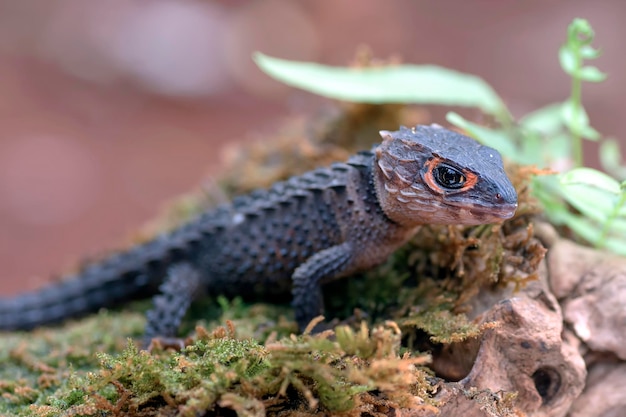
column 498, row 197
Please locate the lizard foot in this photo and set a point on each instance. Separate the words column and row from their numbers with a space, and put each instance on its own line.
column 318, row 325
column 163, row 343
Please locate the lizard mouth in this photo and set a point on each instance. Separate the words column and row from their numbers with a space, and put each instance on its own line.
column 501, row 211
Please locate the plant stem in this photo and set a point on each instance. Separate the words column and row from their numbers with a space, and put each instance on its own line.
column 576, row 99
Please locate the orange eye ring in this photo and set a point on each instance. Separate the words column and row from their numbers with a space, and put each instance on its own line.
column 441, row 177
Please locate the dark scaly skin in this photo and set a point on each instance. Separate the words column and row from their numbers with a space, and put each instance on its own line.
column 295, row 236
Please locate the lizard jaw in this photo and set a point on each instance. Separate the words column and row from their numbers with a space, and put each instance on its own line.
column 482, row 214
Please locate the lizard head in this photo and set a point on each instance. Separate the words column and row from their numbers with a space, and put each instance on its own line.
column 431, row 175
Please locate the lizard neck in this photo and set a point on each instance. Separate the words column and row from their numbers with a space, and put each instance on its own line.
column 382, row 234
column 394, row 182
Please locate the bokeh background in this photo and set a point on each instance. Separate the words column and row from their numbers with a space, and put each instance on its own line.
column 110, row 108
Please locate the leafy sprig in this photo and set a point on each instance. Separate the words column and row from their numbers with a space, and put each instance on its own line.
column 572, row 55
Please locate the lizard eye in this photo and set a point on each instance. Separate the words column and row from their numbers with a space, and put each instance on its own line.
column 449, row 177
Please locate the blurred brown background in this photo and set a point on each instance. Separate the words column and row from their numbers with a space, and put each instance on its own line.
column 110, row 108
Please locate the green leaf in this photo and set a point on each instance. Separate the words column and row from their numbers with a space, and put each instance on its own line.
column 616, row 244
column 590, row 177
column 533, row 149
column 546, row 189
column 592, row 192
column 591, row 74
column 423, row 84
column 557, row 152
column 579, row 32
column 546, row 120
column 595, row 208
column 582, row 227
column 610, row 155
column 573, row 116
column 589, row 52
column 576, row 119
column 568, row 59
column 618, row 225
column 496, row 139
column 590, row 133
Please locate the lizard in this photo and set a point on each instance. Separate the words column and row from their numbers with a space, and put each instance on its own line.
column 293, row 237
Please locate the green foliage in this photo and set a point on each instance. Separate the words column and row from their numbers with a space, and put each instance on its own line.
column 426, row 84
column 611, row 157
column 549, row 138
column 602, row 200
column 596, row 196
column 572, row 54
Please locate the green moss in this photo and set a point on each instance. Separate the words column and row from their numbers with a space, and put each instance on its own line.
column 222, row 370
column 443, row 326
column 39, row 370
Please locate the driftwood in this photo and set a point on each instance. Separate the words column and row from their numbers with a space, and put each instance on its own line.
column 558, row 348
column 591, row 287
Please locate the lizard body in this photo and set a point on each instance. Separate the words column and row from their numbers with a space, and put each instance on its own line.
column 292, row 237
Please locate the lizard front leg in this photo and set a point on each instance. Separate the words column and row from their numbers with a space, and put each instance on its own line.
column 178, row 290
column 307, row 293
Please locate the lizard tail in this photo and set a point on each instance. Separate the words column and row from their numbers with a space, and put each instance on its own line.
column 134, row 274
